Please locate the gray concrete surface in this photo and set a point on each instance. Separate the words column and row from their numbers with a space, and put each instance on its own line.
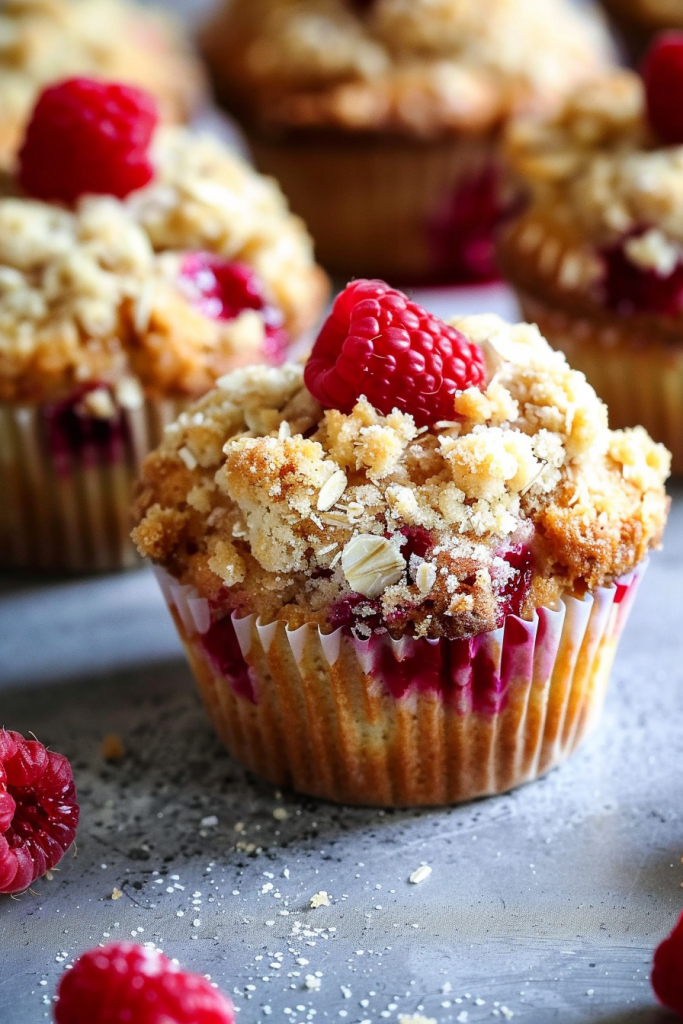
column 547, row 902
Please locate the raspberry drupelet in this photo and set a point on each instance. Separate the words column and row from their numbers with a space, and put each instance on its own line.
column 378, row 343
column 38, row 810
column 126, row 982
column 662, row 73
column 667, row 970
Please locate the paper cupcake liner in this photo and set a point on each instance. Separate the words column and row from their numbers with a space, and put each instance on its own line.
column 403, row 210
column 641, row 384
column 68, row 507
column 410, row 722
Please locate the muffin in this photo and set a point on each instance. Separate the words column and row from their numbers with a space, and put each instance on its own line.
column 42, row 41
column 637, row 21
column 400, row 574
column 382, row 120
column 136, row 266
column 597, row 257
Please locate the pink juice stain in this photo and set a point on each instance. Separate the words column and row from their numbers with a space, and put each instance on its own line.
column 225, row 654
column 628, row 289
column 75, row 439
column 461, row 234
column 222, row 289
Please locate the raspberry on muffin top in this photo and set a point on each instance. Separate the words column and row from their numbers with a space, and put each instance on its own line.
column 197, row 267
column 416, row 67
column 267, row 503
column 42, row 41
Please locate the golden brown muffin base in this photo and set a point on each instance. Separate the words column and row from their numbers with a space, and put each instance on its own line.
column 332, row 730
column 371, row 203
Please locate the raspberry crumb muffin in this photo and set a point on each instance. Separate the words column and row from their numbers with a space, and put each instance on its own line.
column 597, row 257
column 136, row 266
column 42, row 41
column 639, row 20
column 400, row 573
column 381, row 119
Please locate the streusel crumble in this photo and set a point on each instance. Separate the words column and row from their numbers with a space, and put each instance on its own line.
column 267, row 504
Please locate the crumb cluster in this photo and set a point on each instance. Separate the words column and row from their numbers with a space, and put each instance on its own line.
column 419, row 67
column 598, row 175
column 42, row 41
column 266, row 503
column 94, row 293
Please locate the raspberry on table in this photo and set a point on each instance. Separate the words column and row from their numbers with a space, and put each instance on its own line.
column 378, row 343
column 88, row 136
column 127, row 982
column 38, row 810
column 667, row 970
column 662, row 72
column 221, row 289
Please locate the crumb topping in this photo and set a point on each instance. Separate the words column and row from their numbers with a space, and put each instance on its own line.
column 267, row 504
column 420, row 67
column 599, row 175
column 95, row 293
column 42, row 41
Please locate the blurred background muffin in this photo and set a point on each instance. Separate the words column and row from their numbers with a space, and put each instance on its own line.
column 597, row 258
column 637, row 21
column 136, row 266
column 382, row 120
column 42, row 41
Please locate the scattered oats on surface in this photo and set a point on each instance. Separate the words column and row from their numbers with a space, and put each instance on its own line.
column 320, row 899
column 420, row 874
column 116, row 894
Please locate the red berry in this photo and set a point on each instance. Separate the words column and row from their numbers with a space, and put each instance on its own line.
column 378, row 343
column 662, row 73
column 88, row 136
column 628, row 289
column 667, row 970
column 126, row 982
column 221, row 289
column 38, row 810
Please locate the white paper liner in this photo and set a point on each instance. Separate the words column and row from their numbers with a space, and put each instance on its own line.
column 320, row 711
column 74, row 520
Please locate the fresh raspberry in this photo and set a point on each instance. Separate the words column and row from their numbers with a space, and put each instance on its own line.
column 222, row 288
column 662, row 72
column 126, row 982
column 38, row 810
column 667, row 970
column 378, row 343
column 87, row 136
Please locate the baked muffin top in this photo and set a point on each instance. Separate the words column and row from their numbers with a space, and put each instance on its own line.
column 111, row 289
column 608, row 188
column 42, row 41
column 268, row 504
column 416, row 67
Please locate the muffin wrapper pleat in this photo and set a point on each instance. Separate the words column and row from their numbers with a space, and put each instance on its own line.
column 69, row 509
column 358, row 721
column 641, row 384
column 385, row 208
